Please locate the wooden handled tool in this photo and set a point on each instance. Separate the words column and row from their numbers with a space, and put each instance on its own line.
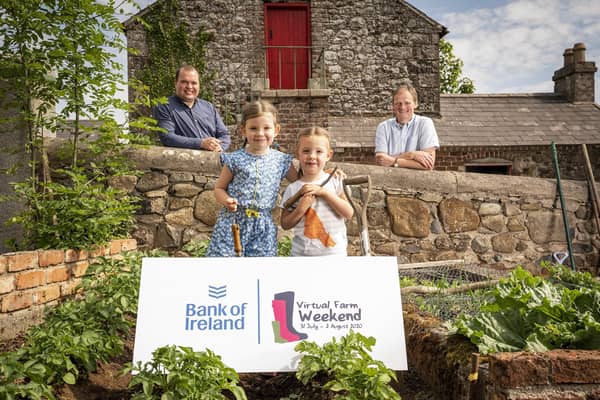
column 292, row 200
column 237, row 242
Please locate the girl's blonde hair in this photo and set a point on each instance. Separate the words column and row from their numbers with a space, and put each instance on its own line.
column 313, row 131
column 258, row 108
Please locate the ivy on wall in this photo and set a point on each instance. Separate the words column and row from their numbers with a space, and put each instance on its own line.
column 171, row 45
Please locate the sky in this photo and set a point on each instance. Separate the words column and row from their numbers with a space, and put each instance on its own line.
column 515, row 46
column 512, row 46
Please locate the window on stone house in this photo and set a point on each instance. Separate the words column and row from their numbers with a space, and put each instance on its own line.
column 496, row 166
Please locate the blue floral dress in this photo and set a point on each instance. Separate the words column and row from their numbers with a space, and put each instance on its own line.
column 255, row 184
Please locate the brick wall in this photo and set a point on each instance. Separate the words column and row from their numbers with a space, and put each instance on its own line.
column 297, row 112
column 535, row 161
column 32, row 280
column 553, row 375
column 444, row 362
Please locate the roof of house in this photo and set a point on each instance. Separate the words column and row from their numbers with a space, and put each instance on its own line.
column 492, row 120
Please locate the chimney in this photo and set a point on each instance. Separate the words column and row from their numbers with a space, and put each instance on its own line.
column 575, row 80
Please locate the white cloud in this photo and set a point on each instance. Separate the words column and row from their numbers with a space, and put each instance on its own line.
column 517, row 46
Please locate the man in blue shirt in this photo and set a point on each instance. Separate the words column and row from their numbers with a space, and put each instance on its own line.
column 191, row 122
column 407, row 140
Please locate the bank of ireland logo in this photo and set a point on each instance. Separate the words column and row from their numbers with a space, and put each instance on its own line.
column 283, row 310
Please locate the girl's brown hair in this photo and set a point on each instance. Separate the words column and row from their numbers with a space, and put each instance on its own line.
column 313, row 131
column 258, row 108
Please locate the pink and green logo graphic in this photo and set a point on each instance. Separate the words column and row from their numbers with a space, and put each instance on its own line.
column 283, row 310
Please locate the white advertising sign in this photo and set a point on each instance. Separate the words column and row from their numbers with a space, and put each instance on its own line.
column 253, row 311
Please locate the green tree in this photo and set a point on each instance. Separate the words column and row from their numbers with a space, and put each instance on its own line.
column 170, row 45
column 451, row 71
column 55, row 51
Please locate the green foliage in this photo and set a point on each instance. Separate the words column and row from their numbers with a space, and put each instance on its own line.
column 536, row 314
column 284, row 247
column 78, row 214
column 348, row 367
column 177, row 372
column 451, row 71
column 76, row 334
column 55, row 51
column 196, row 248
column 170, row 46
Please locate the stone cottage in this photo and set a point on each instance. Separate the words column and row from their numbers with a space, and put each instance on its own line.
column 506, row 133
column 334, row 64
column 313, row 59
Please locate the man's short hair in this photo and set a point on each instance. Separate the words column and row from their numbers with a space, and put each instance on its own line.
column 406, row 85
column 185, row 68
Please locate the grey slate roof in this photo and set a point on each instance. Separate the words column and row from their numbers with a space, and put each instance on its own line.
column 492, row 120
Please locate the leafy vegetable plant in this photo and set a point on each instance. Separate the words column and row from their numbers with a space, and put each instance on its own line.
column 347, row 367
column 196, row 248
column 177, row 372
column 537, row 314
column 76, row 334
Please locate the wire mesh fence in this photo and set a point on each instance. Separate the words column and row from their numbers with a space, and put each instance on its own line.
column 447, row 288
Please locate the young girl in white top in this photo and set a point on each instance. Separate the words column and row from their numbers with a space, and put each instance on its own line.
column 318, row 217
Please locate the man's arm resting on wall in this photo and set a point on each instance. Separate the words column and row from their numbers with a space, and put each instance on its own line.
column 419, row 159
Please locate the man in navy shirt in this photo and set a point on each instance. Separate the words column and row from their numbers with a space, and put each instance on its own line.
column 191, row 122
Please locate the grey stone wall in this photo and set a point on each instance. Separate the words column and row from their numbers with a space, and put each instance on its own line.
column 368, row 47
column 417, row 216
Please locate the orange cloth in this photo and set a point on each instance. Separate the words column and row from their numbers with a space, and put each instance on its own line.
column 314, row 229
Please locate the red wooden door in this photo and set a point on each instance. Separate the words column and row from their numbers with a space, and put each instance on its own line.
column 287, row 36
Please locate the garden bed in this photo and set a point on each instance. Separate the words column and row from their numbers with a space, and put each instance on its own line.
column 108, row 383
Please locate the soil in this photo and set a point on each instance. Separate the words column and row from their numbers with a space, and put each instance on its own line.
column 108, row 383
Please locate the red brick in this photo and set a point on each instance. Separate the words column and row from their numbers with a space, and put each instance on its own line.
column 22, row 260
column 57, row 274
column 29, row 279
column 574, row 366
column 51, row 257
column 7, row 284
column 46, row 294
column 75, row 255
column 16, row 301
column 129, row 244
column 519, row 369
column 78, row 269
column 99, row 251
column 3, row 264
column 68, row 288
column 115, row 246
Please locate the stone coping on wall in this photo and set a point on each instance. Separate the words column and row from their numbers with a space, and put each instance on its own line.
column 174, row 159
column 447, row 182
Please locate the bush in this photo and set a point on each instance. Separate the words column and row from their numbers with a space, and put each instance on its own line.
column 78, row 214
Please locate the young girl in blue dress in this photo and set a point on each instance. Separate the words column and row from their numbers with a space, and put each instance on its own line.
column 248, row 186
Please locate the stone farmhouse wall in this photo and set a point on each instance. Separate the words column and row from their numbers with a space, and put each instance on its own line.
column 30, row 281
column 417, row 216
column 367, row 47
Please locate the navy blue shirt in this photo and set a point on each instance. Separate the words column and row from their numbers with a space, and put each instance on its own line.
column 187, row 127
